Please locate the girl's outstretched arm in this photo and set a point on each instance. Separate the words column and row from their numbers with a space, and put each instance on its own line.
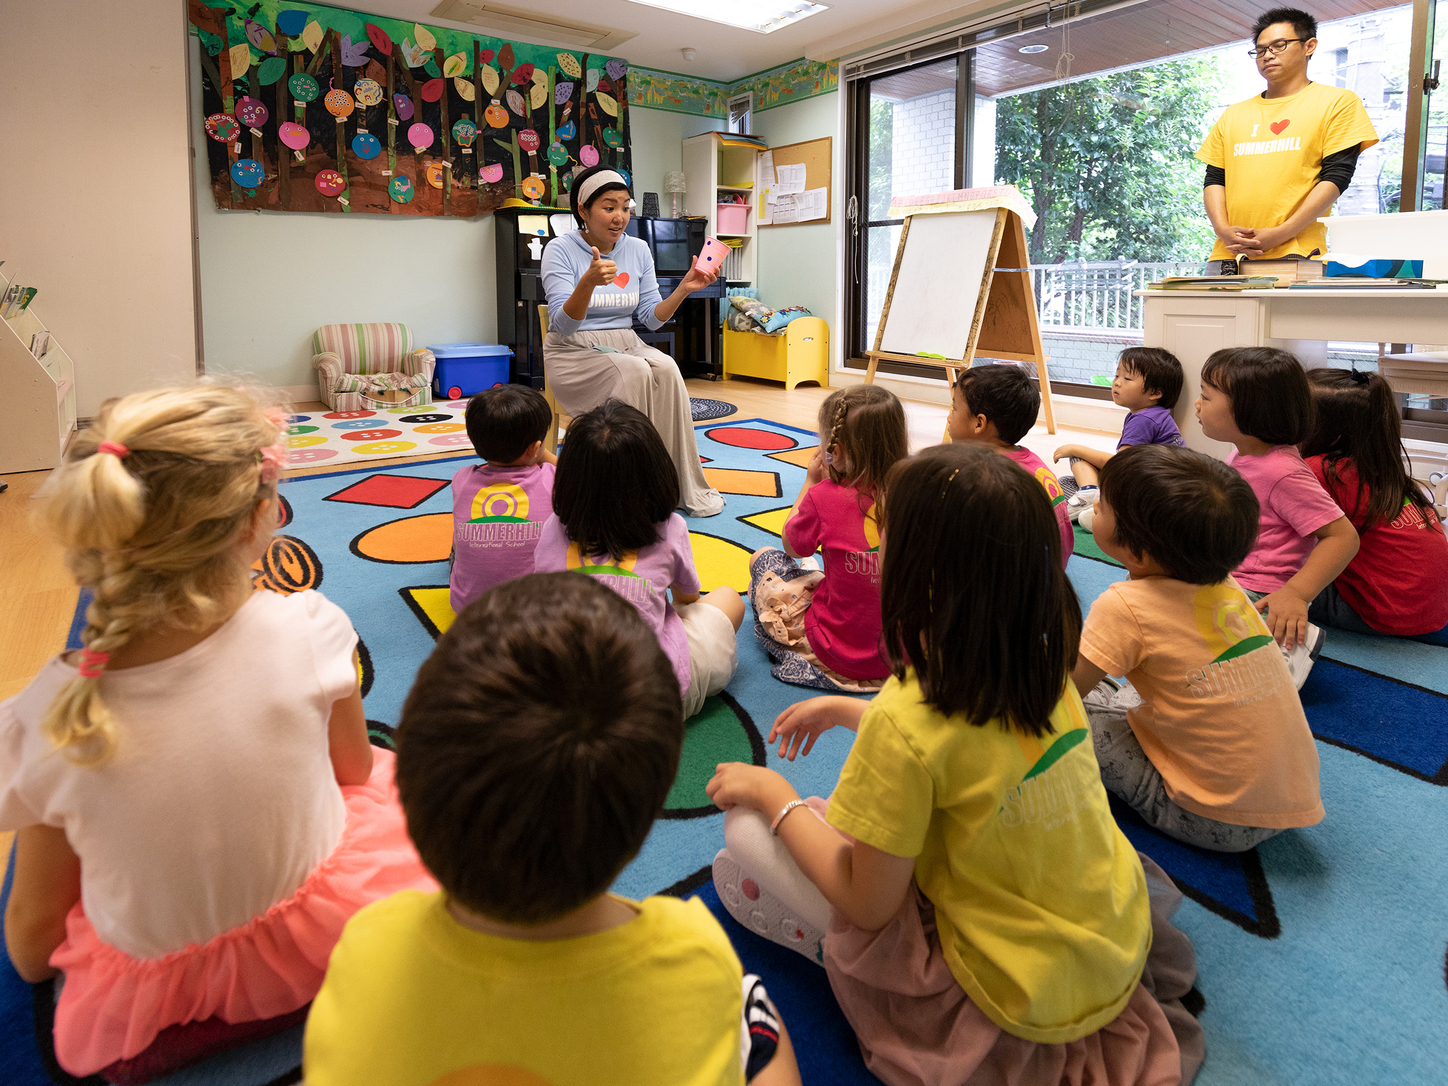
column 347, row 740
column 813, row 474
column 866, row 886
column 47, row 885
column 802, row 723
column 1286, row 609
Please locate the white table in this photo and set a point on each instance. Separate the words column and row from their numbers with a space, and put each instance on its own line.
column 1191, row 324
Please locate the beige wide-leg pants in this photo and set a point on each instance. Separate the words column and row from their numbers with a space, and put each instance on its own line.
column 642, row 377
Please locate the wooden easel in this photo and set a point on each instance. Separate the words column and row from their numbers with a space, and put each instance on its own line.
column 1005, row 324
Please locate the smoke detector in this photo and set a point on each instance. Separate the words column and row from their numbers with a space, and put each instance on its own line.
column 689, row 54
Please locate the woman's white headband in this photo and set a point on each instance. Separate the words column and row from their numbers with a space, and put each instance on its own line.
column 596, row 182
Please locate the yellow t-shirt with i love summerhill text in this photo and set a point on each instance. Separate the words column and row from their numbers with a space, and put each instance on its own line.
column 1272, row 151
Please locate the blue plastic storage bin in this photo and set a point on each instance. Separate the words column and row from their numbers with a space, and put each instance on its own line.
column 467, row 368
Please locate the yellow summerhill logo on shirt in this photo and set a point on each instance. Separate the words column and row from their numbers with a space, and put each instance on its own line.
column 500, row 502
column 1232, row 631
column 577, row 562
column 1047, row 479
column 872, row 529
column 1052, row 800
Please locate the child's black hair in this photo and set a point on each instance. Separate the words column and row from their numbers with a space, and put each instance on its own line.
column 1159, row 370
column 1193, row 514
column 972, row 593
column 1356, row 420
column 615, row 481
column 537, row 746
column 1005, row 395
column 1270, row 397
column 503, row 421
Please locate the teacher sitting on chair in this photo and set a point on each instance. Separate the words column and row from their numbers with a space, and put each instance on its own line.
column 599, row 280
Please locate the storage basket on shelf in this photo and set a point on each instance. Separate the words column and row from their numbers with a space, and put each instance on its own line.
column 464, row 369
column 733, row 219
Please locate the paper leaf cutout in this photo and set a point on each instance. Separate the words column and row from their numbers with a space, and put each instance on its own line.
column 240, row 60
column 431, row 68
column 487, row 55
column 291, row 22
column 516, row 103
column 432, row 90
column 403, row 105
column 562, row 93
column 612, row 137
column 539, row 94
column 569, row 63
column 522, row 74
column 455, row 65
column 424, row 37
column 465, row 88
column 378, row 38
column 312, row 35
column 615, row 69
column 540, row 77
column 260, row 36
column 353, row 56
column 505, row 56
column 272, row 69
column 412, row 55
column 490, row 79
column 592, row 83
column 607, row 104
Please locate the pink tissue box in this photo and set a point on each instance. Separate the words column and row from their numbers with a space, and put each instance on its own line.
column 733, row 219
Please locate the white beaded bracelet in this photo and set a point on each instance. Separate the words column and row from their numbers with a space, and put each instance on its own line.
column 791, row 805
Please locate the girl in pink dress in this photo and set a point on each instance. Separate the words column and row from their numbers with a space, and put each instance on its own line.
column 198, row 808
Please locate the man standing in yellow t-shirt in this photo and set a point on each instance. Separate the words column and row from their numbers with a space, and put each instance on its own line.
column 1279, row 160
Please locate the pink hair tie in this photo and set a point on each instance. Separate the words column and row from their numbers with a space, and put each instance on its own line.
column 115, row 448
column 92, row 663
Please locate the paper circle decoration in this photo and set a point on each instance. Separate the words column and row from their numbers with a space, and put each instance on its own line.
column 612, row 138
column 222, row 127
column 248, row 172
column 533, row 187
column 588, row 155
column 432, row 90
column 567, row 131
column 303, row 87
column 492, row 174
column 251, row 112
column 496, row 115
column 368, row 92
column 366, row 145
column 419, row 135
column 528, row 140
column 557, row 154
column 293, row 135
column 465, row 132
column 400, row 189
column 403, row 104
column 330, row 183
column 338, row 103
column 627, row 177
column 433, row 173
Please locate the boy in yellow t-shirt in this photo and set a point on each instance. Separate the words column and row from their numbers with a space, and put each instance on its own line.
column 1208, row 741
column 1279, row 160
column 535, row 751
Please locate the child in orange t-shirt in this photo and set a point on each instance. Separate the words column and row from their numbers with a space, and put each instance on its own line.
column 1207, row 741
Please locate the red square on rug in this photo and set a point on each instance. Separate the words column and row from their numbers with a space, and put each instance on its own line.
column 393, row 491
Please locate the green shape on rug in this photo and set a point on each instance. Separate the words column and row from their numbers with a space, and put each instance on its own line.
column 1086, row 547
column 719, row 733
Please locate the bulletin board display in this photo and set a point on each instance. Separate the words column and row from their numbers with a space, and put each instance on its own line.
column 816, row 156
column 309, row 107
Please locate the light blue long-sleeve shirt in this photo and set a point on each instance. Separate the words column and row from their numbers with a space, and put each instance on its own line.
column 634, row 293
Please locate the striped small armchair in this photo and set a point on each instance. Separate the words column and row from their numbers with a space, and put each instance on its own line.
column 357, row 363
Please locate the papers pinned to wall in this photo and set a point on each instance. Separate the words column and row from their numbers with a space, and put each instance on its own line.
column 807, row 206
column 790, row 179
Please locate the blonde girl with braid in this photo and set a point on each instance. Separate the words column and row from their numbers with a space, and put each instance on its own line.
column 198, row 808
column 822, row 629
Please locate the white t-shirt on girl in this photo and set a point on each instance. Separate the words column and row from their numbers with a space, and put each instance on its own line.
column 220, row 798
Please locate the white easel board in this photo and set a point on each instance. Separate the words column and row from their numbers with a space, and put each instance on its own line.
column 932, row 308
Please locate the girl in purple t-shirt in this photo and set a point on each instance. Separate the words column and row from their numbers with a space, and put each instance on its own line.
column 614, row 497
column 823, row 629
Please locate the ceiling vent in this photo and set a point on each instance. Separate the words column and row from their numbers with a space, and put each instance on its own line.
column 505, row 22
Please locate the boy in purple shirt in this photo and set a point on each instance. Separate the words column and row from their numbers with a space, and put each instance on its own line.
column 1147, row 383
column 499, row 507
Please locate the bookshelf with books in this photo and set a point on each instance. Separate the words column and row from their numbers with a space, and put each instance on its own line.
column 719, row 170
column 39, row 393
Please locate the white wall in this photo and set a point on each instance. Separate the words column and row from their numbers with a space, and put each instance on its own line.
column 799, row 264
column 655, row 138
column 98, row 218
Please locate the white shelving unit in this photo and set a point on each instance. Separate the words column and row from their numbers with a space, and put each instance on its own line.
column 713, row 168
column 40, row 395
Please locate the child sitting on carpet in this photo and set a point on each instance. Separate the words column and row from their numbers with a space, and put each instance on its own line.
column 536, row 748
column 1397, row 583
column 1147, row 383
column 198, row 806
column 996, row 405
column 823, row 629
column 1208, row 742
column 1258, row 399
column 499, row 507
column 987, row 920
column 613, row 503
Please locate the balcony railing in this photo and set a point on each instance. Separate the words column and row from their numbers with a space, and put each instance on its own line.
column 1098, row 296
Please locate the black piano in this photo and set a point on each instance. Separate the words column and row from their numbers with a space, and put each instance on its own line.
column 691, row 338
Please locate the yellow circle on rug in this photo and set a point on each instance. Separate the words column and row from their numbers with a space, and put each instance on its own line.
column 305, row 441
column 427, row 538
column 383, row 448
column 439, row 428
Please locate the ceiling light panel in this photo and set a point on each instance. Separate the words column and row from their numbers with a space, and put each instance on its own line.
column 760, row 16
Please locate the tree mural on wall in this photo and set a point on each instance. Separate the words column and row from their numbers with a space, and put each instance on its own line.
column 313, row 108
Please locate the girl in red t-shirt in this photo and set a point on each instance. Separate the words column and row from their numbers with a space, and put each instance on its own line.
column 1398, row 582
column 823, row 629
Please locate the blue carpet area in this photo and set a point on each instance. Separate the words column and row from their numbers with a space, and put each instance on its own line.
column 1321, row 953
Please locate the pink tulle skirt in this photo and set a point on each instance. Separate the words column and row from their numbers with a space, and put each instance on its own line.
column 112, row 1006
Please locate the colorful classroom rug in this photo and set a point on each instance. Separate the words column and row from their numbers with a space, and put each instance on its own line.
column 1321, row 953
